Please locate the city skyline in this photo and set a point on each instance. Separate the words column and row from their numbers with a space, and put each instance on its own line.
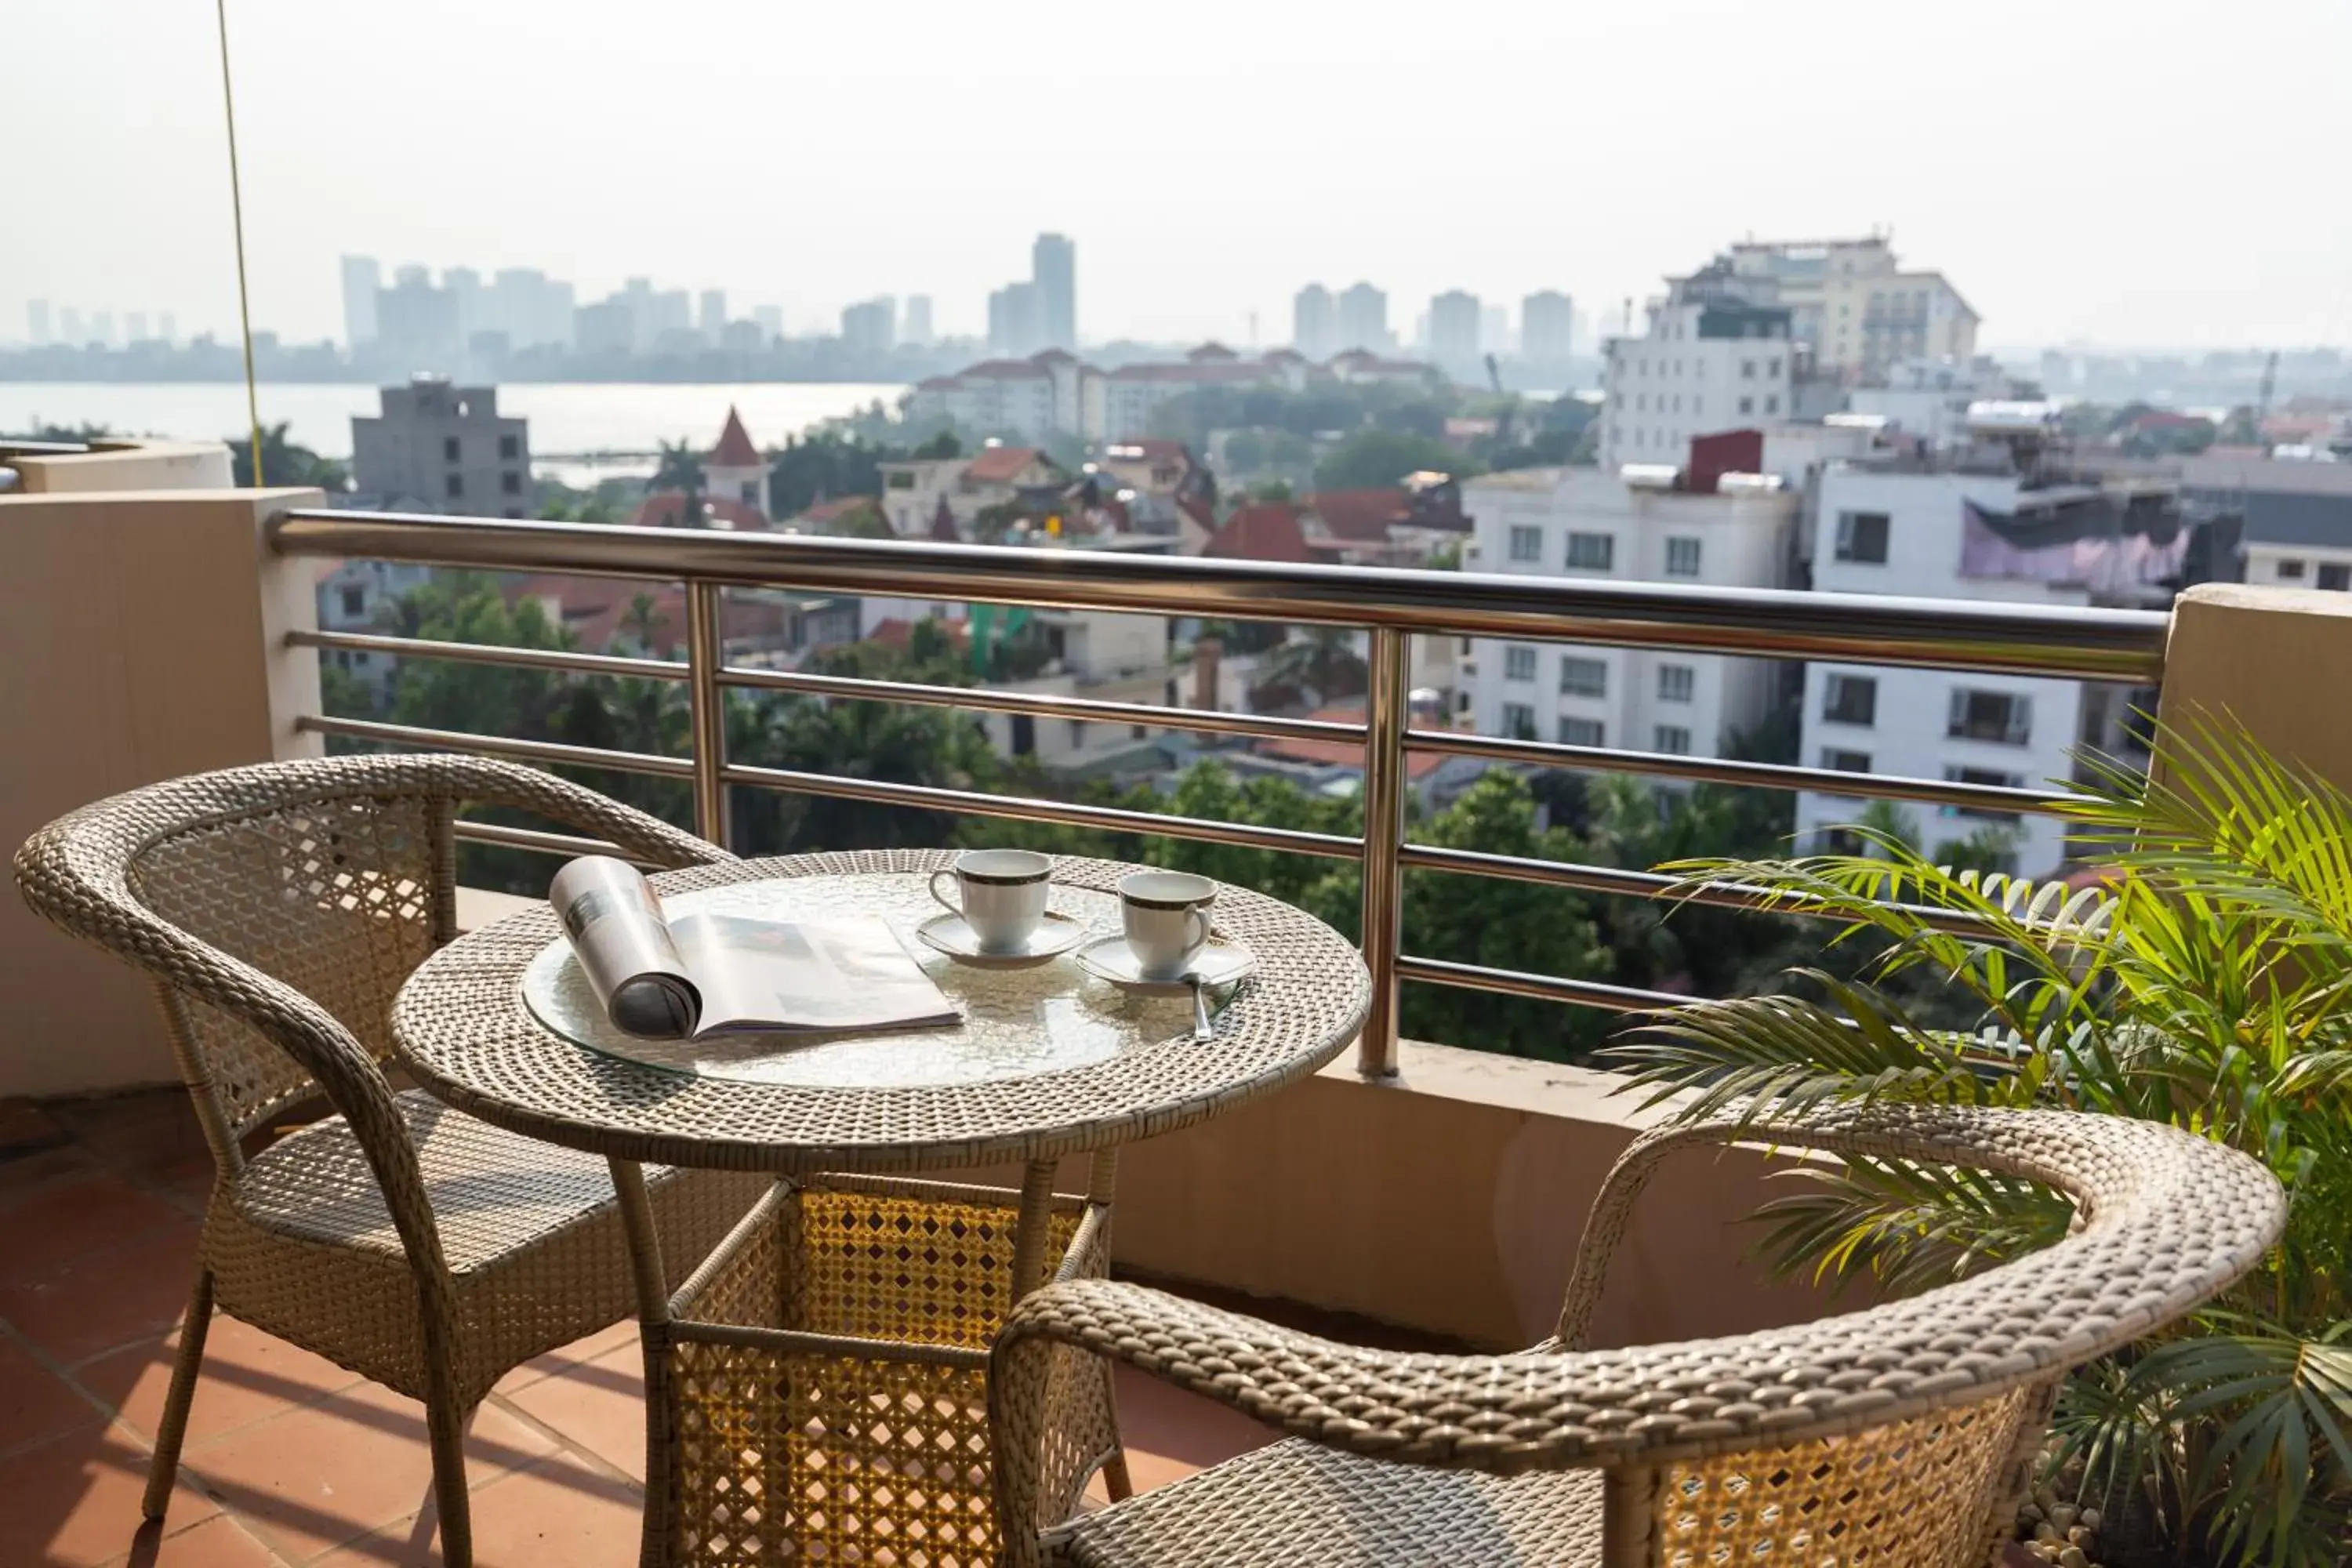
column 2061, row 243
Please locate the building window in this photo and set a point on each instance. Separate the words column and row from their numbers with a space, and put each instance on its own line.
column 2335, row 575
column 1673, row 740
column 1748, row 406
column 456, row 484
column 1838, row 760
column 1747, row 370
column 1078, row 733
column 1850, row 699
column 1582, row 733
column 510, row 482
column 510, row 448
column 1862, row 537
column 1518, row 662
column 1681, row 557
column 1518, row 721
column 1139, row 732
column 1998, row 716
column 1583, row 677
column 449, row 449
column 1772, row 367
column 2290, row 571
column 1526, row 543
column 515, row 512
column 1591, row 552
column 1772, row 403
column 1675, row 682
column 354, row 602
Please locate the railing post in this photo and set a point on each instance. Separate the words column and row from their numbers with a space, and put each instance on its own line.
column 1385, row 714
column 705, row 652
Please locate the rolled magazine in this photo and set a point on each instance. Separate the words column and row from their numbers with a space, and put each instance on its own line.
column 709, row 973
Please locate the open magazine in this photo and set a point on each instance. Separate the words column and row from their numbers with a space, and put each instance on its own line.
column 709, row 973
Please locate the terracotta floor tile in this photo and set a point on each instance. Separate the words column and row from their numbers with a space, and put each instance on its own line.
column 26, row 1176
column 559, row 1511
column 35, row 1404
column 72, row 1220
column 26, row 1127
column 75, row 1501
column 1170, row 1434
column 107, row 1299
column 218, row 1543
column 247, row 1376
column 579, row 1353
column 314, row 1478
column 600, row 1406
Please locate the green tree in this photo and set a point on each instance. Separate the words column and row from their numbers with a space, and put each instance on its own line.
column 284, row 462
column 1371, row 459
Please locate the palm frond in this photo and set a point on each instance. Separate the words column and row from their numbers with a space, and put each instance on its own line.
column 1909, row 1226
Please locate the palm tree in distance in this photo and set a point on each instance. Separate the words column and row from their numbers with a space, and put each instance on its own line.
column 680, row 473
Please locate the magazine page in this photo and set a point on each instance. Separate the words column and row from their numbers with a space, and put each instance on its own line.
column 624, row 947
column 839, row 977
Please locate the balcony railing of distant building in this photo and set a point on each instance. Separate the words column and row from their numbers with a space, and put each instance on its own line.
column 1390, row 606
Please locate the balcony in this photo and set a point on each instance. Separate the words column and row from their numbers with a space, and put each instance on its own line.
column 174, row 632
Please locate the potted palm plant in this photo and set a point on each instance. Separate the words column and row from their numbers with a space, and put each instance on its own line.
column 2202, row 976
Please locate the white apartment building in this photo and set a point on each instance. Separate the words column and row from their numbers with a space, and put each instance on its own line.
column 2298, row 516
column 1911, row 533
column 1709, row 363
column 1588, row 523
column 1054, row 392
column 1855, row 306
column 1929, row 398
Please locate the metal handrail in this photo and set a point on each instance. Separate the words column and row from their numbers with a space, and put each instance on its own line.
column 1390, row 605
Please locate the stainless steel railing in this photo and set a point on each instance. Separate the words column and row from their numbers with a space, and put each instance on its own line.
column 1391, row 606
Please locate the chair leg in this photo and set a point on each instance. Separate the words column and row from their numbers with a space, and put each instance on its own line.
column 164, row 1467
column 1116, row 1482
column 444, row 1427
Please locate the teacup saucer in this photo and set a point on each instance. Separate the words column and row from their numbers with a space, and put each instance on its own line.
column 1055, row 935
column 1222, row 963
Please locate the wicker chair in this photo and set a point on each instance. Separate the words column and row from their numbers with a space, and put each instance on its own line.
column 1898, row 1435
column 279, row 908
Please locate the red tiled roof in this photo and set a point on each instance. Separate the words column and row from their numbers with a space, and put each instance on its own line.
column 667, row 509
column 734, row 449
column 1365, row 516
column 898, row 631
column 596, row 610
column 1263, row 530
column 1005, row 370
column 1199, row 511
column 998, row 464
column 837, row 509
column 1343, row 753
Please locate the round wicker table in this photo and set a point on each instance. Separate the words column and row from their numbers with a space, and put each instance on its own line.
column 817, row 1386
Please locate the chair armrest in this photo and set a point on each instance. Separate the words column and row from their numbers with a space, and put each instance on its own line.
column 489, row 781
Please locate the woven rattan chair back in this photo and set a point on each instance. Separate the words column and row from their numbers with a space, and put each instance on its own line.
column 339, row 899
column 1899, row 1433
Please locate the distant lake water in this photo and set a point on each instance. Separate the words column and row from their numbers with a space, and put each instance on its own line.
column 567, row 417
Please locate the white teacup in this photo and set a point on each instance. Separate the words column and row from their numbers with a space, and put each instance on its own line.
column 1000, row 893
column 1166, row 917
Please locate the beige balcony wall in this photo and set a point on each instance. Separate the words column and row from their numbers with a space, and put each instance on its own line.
column 142, row 637
column 128, row 465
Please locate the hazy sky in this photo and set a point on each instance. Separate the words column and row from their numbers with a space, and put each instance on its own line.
column 2148, row 172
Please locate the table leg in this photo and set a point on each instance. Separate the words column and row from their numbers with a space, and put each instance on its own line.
column 653, row 1331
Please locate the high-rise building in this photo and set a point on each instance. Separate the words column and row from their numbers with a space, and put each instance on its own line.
column 445, row 446
column 1364, row 320
column 1712, row 361
column 417, row 323
column 69, row 330
column 872, row 327
column 915, row 328
column 772, row 321
column 134, row 327
column 362, row 278
column 464, row 286
column 101, row 328
column 1850, row 300
column 37, row 322
column 167, row 327
column 1315, row 322
column 1454, row 326
column 1015, row 330
column 1547, row 328
column 711, row 313
column 1054, row 270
